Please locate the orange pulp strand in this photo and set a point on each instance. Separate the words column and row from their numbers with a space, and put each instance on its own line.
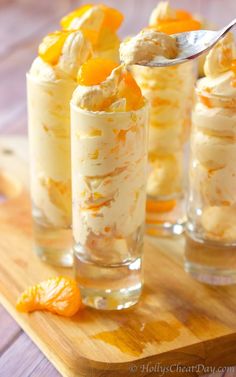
column 233, row 67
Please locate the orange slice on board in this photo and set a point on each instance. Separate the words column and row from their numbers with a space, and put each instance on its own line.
column 59, row 295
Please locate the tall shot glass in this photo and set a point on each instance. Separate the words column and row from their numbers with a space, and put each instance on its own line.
column 169, row 91
column 210, row 251
column 49, row 137
column 109, row 164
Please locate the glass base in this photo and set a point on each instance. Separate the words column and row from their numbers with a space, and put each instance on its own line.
column 53, row 245
column 210, row 262
column 212, row 276
column 165, row 218
column 111, row 287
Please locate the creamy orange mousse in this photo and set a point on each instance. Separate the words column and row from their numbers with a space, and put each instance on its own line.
column 169, row 91
column 87, row 32
column 108, row 157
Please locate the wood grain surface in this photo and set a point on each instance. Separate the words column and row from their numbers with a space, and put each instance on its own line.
column 23, row 23
column 177, row 321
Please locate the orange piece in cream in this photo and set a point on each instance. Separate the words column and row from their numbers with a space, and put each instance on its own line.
column 50, row 47
column 131, row 92
column 95, row 71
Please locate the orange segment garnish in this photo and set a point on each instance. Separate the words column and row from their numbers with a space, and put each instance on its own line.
column 131, row 92
column 50, row 47
column 182, row 22
column 182, row 14
column 158, row 206
column 113, row 18
column 66, row 20
column 174, row 27
column 59, row 295
column 95, row 71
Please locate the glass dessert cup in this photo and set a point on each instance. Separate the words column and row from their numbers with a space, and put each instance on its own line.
column 169, row 91
column 49, row 137
column 210, row 251
column 109, row 164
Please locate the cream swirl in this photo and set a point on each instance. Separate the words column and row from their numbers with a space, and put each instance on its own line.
column 76, row 50
column 219, row 59
column 146, row 46
column 219, row 76
column 91, row 20
column 95, row 97
column 163, row 11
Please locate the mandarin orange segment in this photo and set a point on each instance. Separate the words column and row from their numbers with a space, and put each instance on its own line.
column 50, row 47
column 155, row 206
column 95, row 71
column 174, row 27
column 59, row 295
column 131, row 92
column 66, row 20
column 113, row 18
column 182, row 14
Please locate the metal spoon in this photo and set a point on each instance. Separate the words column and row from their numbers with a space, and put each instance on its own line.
column 191, row 44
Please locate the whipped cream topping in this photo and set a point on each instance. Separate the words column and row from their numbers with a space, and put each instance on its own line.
column 91, row 20
column 219, row 59
column 213, row 145
column 219, row 75
column 76, row 50
column 95, row 97
column 162, row 12
column 146, row 46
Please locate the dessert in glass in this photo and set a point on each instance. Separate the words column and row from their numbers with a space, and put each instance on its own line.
column 169, row 91
column 109, row 166
column 210, row 254
column 50, row 83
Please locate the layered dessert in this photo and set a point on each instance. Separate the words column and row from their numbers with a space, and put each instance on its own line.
column 51, row 81
column 169, row 91
column 214, row 143
column 99, row 23
column 210, row 250
column 109, row 165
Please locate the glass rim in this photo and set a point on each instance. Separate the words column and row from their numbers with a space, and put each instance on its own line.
column 41, row 81
column 110, row 113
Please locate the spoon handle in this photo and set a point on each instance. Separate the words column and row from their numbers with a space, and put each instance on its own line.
column 228, row 27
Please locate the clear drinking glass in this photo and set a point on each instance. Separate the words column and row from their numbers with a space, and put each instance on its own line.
column 170, row 92
column 109, row 165
column 210, row 254
column 49, row 137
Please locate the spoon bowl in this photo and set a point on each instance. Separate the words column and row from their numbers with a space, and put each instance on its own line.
column 191, row 44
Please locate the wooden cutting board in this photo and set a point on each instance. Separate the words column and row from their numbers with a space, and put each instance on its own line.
column 178, row 322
